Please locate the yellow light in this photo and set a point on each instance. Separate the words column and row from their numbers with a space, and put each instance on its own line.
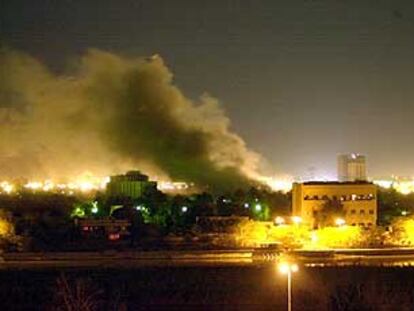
column 286, row 267
column 340, row 222
column 279, row 220
column 296, row 220
column 7, row 187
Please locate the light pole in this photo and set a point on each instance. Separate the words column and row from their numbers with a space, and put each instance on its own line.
column 288, row 268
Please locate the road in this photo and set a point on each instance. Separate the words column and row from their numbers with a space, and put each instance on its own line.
column 338, row 257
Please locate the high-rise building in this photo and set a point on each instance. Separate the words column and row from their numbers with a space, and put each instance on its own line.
column 351, row 167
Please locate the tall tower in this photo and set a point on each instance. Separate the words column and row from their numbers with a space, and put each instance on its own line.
column 351, row 167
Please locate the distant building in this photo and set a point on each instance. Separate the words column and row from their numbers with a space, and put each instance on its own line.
column 351, row 167
column 113, row 229
column 132, row 185
column 359, row 200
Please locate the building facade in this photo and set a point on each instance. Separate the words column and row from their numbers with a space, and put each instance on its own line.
column 131, row 185
column 358, row 199
column 351, row 167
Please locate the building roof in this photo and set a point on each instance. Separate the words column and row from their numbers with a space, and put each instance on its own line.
column 327, row 183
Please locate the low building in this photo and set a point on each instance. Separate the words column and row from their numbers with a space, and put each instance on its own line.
column 359, row 201
column 113, row 229
column 131, row 185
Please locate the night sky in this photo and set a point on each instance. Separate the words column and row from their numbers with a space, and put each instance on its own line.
column 300, row 80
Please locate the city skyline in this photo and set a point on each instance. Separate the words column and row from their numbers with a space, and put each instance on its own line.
column 322, row 78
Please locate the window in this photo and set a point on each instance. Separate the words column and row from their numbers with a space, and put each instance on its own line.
column 362, row 211
column 306, row 197
column 353, row 224
column 371, row 212
column 315, row 197
column 353, row 197
column 361, row 224
column 353, row 211
column 369, row 224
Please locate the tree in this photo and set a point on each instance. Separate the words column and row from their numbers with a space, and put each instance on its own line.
column 330, row 210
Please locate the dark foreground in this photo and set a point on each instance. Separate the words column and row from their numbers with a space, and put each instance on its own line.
column 248, row 287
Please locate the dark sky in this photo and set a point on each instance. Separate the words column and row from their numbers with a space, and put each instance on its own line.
column 300, row 80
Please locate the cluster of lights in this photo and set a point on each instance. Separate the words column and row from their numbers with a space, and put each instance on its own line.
column 279, row 220
column 173, row 186
column 84, row 184
column 6, row 187
column 401, row 186
column 277, row 184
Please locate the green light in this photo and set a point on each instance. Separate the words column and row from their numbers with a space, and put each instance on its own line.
column 258, row 207
column 78, row 212
column 94, row 209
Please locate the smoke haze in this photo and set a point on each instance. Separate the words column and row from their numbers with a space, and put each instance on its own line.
column 110, row 114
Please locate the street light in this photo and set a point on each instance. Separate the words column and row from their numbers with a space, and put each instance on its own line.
column 287, row 268
column 340, row 222
column 279, row 220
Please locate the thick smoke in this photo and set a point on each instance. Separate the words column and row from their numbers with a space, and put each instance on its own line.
column 110, row 114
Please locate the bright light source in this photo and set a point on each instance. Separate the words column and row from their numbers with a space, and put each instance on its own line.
column 279, row 220
column 184, row 209
column 404, row 213
column 94, row 209
column 7, row 187
column 296, row 220
column 246, row 205
column 258, row 207
column 340, row 222
column 286, row 268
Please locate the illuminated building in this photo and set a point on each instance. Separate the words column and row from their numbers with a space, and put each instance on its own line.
column 132, row 185
column 359, row 201
column 351, row 167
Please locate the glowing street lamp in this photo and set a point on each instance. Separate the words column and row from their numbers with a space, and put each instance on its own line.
column 279, row 220
column 340, row 222
column 296, row 220
column 287, row 268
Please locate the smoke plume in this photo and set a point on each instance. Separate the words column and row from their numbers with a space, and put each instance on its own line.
column 111, row 113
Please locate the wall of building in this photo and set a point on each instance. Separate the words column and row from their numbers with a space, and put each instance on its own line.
column 359, row 201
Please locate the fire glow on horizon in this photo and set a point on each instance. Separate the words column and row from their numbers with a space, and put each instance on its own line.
column 87, row 183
